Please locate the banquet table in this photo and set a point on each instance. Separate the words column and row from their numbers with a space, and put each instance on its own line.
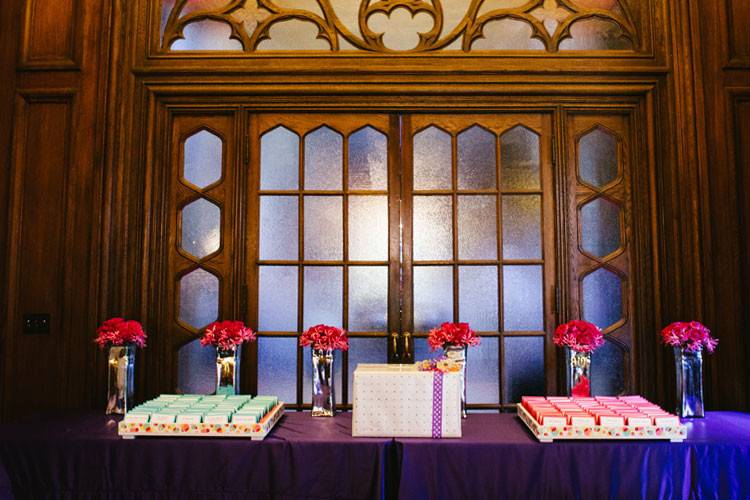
column 81, row 456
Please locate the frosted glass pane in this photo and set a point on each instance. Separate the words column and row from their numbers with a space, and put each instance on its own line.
column 279, row 159
column 507, row 34
column 519, row 159
column 203, row 159
column 600, row 227
column 324, row 159
column 201, row 228
column 323, row 300
column 597, row 158
column 422, row 350
column 477, row 227
column 277, row 368
column 368, row 228
column 338, row 382
column 368, row 159
column 433, row 296
column 432, row 159
column 279, row 229
column 433, row 228
column 607, row 365
column 277, row 299
column 400, row 28
column 602, row 298
column 524, row 368
column 522, row 227
column 324, row 228
column 596, row 34
column 477, row 297
column 196, row 369
column 476, row 159
column 207, row 35
column 482, row 374
column 365, row 350
column 522, row 298
column 199, row 298
column 368, row 299
column 294, row 35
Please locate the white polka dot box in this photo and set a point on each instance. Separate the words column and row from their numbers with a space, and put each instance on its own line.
column 402, row 401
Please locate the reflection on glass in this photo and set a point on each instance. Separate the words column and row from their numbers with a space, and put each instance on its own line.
column 207, row 35
column 368, row 298
column 432, row 159
column 324, row 159
column 324, row 228
column 596, row 34
column 368, row 160
column 477, row 227
column 476, row 159
column 338, row 382
column 201, row 228
column 524, row 368
column 279, row 230
column 602, row 298
column 600, row 227
column 196, row 368
column 277, row 367
column 202, row 159
column 433, row 228
column 597, row 158
column 364, row 350
column 277, row 299
column 482, row 380
column 433, row 296
column 519, row 159
column 522, row 227
column 607, row 365
column 368, row 228
column 323, row 300
column 279, row 159
column 522, row 298
column 199, row 298
column 477, row 297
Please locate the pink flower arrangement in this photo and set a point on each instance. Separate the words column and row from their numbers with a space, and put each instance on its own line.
column 457, row 334
column 324, row 337
column 119, row 331
column 691, row 336
column 226, row 335
column 579, row 335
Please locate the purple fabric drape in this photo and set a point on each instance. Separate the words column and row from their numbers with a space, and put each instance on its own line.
column 81, row 456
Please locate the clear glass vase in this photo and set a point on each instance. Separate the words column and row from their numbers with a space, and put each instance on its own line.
column 120, row 379
column 323, row 393
column 579, row 373
column 459, row 355
column 689, row 367
column 228, row 371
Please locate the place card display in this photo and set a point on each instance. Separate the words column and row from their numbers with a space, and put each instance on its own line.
column 205, row 416
column 603, row 417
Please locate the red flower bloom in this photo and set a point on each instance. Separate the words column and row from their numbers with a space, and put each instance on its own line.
column 226, row 334
column 578, row 335
column 458, row 334
column 118, row 331
column 691, row 336
column 324, row 337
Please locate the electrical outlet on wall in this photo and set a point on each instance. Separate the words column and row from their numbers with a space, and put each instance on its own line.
column 36, row 323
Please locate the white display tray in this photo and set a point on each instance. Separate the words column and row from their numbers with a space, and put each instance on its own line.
column 256, row 432
column 547, row 434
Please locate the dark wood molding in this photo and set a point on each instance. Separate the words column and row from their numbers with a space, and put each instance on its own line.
column 43, row 26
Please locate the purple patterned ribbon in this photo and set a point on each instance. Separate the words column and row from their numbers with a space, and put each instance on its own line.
column 437, row 404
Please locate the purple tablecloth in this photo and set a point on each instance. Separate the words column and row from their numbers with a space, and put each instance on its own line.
column 497, row 457
column 82, row 456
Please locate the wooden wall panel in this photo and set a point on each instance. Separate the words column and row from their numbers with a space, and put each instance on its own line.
column 742, row 160
column 37, row 252
column 50, row 39
column 739, row 40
